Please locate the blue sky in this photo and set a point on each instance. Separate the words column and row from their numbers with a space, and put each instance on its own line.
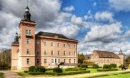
column 96, row 24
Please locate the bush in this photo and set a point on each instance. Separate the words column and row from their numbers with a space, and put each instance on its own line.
column 100, row 70
column 95, row 66
column 113, row 65
column 31, row 68
column 37, row 69
column 84, row 65
column 106, row 66
column 57, row 70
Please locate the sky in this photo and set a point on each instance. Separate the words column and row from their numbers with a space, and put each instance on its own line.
column 96, row 24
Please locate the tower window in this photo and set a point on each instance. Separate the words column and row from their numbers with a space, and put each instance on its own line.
column 27, row 60
column 38, row 42
column 37, row 61
column 38, row 52
column 75, row 53
column 28, row 41
column 28, row 51
column 29, row 31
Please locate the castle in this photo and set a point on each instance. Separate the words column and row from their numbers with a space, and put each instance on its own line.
column 41, row 49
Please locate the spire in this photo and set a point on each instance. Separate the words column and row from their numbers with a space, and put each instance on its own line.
column 16, row 39
column 120, row 52
column 27, row 14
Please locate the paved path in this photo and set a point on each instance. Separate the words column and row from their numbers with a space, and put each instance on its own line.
column 11, row 74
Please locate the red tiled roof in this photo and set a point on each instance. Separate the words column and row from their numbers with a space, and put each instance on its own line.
column 106, row 54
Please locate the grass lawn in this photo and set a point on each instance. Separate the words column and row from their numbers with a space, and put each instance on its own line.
column 1, row 75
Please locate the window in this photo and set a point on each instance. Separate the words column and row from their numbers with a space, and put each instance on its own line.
column 52, row 44
column 64, row 45
column 69, row 60
column 37, row 61
column 64, row 60
column 27, row 60
column 69, row 53
column 58, row 44
column 38, row 42
column 37, row 52
column 45, row 43
column 58, row 60
column 52, row 60
column 55, row 60
column 44, row 52
column 74, row 60
column 29, row 31
column 58, row 52
column 52, row 52
column 64, row 53
column 28, row 51
column 45, row 60
column 28, row 41
column 74, row 46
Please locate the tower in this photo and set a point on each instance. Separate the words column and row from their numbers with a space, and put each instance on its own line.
column 121, row 55
column 26, row 56
column 14, row 52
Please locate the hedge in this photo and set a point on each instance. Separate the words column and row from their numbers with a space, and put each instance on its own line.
column 57, row 70
column 100, row 70
column 95, row 66
column 37, row 69
column 84, row 65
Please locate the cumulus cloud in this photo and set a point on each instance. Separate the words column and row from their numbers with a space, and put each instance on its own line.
column 104, row 16
column 77, row 20
column 120, row 5
column 104, row 33
column 69, row 9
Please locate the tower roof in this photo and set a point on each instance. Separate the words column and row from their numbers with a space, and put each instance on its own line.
column 27, row 15
column 120, row 53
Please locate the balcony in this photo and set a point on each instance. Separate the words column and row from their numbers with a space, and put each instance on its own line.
column 29, row 35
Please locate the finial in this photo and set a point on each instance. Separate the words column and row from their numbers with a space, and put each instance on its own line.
column 27, row 2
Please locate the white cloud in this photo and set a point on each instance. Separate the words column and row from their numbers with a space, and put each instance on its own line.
column 69, row 9
column 104, row 33
column 77, row 20
column 120, row 5
column 104, row 16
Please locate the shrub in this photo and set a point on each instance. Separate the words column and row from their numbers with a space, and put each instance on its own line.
column 113, row 65
column 31, row 68
column 106, row 66
column 57, row 70
column 95, row 66
column 37, row 69
column 100, row 70
column 84, row 65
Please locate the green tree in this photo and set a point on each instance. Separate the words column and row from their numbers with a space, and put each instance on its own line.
column 127, row 58
column 81, row 58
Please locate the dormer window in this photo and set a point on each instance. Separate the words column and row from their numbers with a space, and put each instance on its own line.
column 55, row 36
